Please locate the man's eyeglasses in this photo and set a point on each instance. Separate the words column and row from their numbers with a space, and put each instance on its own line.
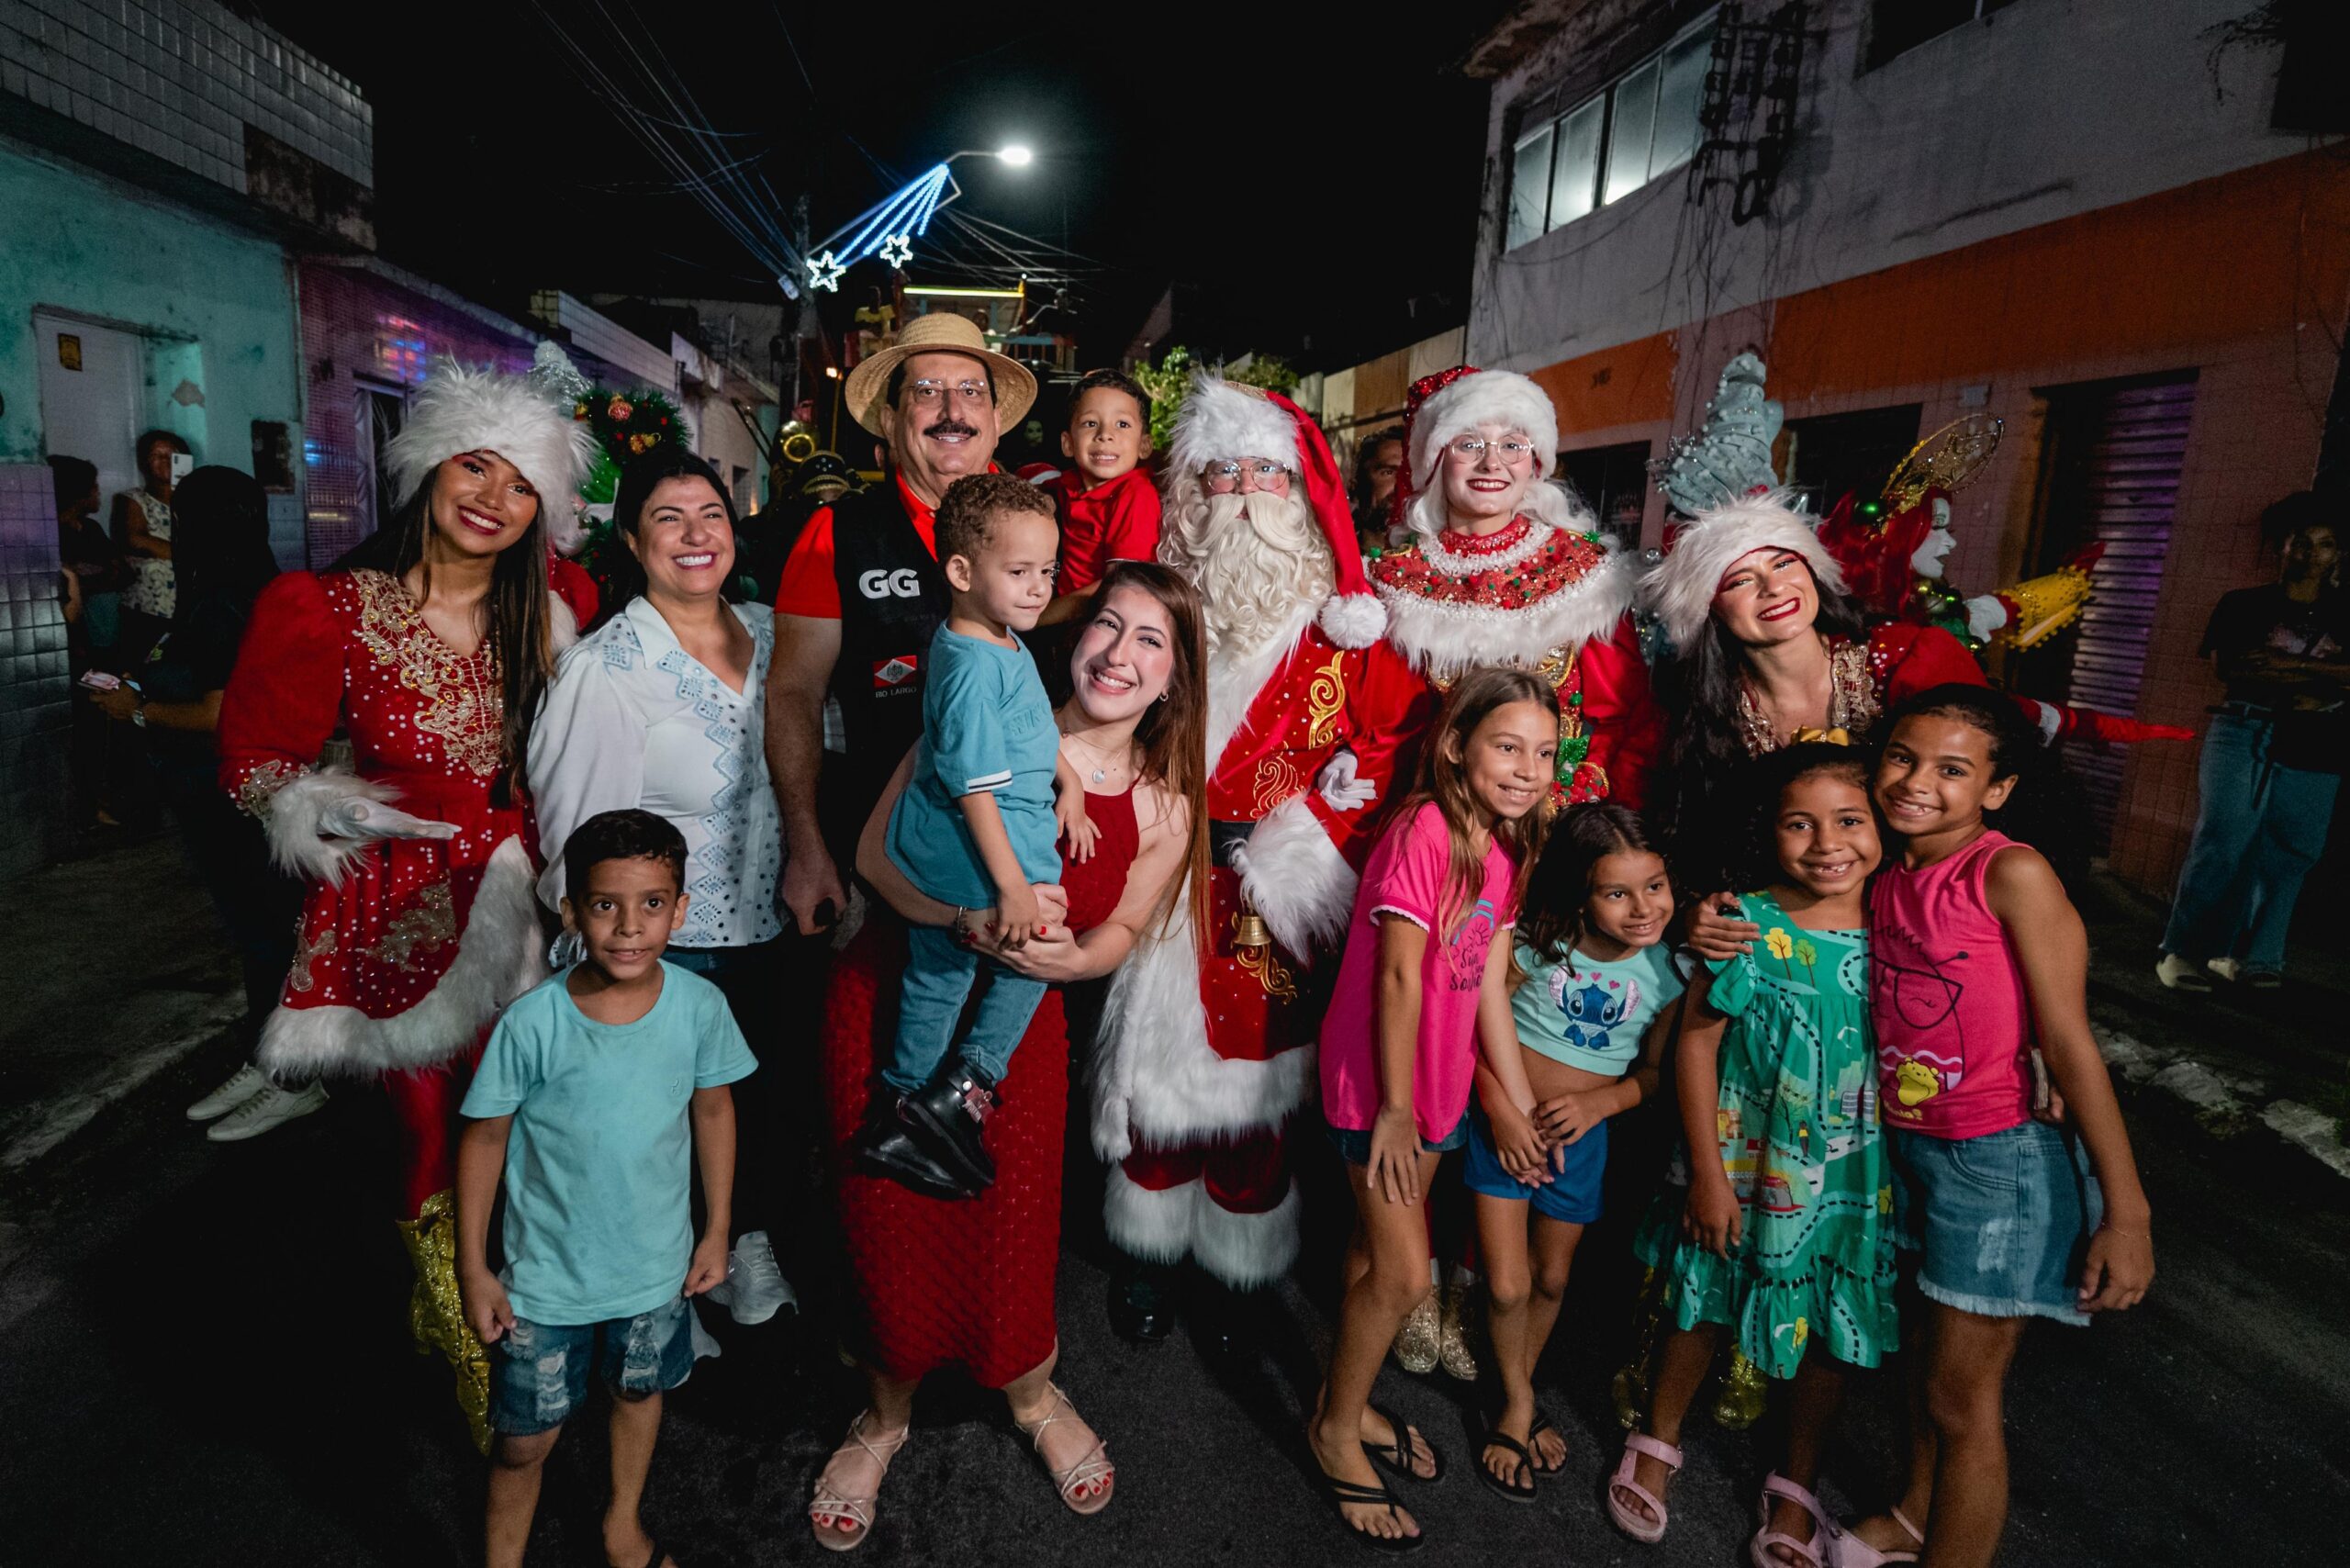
column 926, row 394
column 1510, row 449
column 1222, row 478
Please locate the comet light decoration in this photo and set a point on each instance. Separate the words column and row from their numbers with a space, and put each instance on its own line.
column 888, row 228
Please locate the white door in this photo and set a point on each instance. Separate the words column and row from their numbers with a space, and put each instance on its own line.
column 93, row 383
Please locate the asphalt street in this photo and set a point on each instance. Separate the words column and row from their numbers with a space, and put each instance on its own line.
column 205, row 1363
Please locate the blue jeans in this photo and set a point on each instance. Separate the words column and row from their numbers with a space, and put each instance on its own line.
column 939, row 972
column 2258, row 829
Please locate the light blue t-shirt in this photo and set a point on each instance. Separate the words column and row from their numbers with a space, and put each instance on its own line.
column 1593, row 1016
column 598, row 1163
column 987, row 726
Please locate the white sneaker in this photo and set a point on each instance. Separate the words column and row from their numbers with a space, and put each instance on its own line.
column 2227, row 969
column 754, row 1287
column 2181, row 974
column 272, row 1107
column 248, row 1081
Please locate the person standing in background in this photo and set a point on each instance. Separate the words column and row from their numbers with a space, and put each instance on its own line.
column 1377, row 464
column 142, row 532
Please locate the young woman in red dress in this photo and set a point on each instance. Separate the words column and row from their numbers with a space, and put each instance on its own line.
column 429, row 648
column 939, row 1283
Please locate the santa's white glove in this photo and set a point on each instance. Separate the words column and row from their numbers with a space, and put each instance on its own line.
column 364, row 818
column 1341, row 788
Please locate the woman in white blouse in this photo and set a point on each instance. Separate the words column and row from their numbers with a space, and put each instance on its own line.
column 663, row 708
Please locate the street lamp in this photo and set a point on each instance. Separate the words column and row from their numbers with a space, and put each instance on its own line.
column 1016, row 155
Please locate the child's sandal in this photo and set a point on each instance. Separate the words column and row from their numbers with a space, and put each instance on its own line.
column 1850, row 1551
column 1646, row 1532
column 1520, row 1487
column 1396, row 1458
column 1544, row 1424
column 1344, row 1495
column 1763, row 1551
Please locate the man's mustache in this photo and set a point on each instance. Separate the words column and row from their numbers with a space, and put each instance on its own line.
column 951, row 427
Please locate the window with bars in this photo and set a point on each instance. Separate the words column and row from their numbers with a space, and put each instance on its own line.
column 1640, row 126
column 1896, row 27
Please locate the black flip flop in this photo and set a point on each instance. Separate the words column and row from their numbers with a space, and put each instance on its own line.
column 1344, row 1493
column 1396, row 1458
column 1543, row 1424
column 1497, row 1439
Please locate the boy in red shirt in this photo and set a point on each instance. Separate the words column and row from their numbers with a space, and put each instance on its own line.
column 1107, row 505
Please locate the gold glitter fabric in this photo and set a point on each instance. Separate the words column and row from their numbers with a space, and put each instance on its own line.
column 436, row 1312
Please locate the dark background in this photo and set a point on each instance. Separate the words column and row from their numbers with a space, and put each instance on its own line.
column 1307, row 179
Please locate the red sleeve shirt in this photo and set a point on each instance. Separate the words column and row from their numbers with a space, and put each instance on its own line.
column 1111, row 523
column 810, row 587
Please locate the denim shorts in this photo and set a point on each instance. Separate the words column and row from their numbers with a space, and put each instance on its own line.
column 1571, row 1196
column 538, row 1372
column 2003, row 1221
column 1353, row 1144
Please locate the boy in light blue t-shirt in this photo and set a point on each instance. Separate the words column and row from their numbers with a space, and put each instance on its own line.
column 975, row 827
column 595, row 1091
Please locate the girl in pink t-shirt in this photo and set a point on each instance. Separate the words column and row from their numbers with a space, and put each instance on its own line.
column 1975, row 955
column 1423, row 981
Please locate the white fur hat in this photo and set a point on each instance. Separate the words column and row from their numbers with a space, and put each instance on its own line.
column 1473, row 398
column 1679, row 590
column 1220, row 422
column 471, row 410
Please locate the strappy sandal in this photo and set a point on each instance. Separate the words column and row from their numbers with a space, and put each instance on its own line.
column 1345, row 1493
column 1543, row 1424
column 1396, row 1458
column 1513, row 1490
column 1093, row 1466
column 1646, row 1532
column 1851, row 1551
column 1763, row 1551
column 832, row 1537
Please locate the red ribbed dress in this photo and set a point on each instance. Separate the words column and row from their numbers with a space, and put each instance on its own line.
column 968, row 1282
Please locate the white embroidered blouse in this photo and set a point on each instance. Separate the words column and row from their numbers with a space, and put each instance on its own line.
column 632, row 720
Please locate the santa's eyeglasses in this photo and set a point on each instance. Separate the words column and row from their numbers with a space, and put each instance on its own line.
column 1258, row 473
column 1509, row 449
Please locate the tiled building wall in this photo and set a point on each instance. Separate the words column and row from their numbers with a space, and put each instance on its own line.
column 35, row 699
column 181, row 79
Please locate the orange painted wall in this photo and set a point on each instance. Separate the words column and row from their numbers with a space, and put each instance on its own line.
column 1629, row 384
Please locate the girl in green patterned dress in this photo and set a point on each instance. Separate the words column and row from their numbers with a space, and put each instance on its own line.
column 1784, row 1239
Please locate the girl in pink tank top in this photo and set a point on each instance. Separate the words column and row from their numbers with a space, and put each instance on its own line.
column 1977, row 956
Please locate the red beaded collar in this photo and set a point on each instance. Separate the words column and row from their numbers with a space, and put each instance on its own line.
column 1492, row 543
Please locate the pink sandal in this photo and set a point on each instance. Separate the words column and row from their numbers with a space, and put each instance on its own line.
column 1762, row 1551
column 1646, row 1532
column 1849, row 1550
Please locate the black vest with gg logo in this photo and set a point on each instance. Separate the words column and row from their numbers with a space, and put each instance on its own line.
column 893, row 598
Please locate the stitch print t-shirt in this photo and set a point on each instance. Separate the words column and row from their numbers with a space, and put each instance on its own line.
column 1406, row 880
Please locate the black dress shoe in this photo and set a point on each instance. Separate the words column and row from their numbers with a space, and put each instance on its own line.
column 1142, row 1305
column 885, row 1147
column 949, row 1117
column 1227, row 1324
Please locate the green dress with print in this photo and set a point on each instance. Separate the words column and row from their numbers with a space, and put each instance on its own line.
column 1798, row 1128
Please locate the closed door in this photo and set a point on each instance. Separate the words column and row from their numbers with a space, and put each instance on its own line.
column 93, row 383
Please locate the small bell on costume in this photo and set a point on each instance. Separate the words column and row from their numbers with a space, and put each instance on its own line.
column 1249, row 930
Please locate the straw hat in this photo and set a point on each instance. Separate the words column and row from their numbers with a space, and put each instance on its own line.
column 939, row 332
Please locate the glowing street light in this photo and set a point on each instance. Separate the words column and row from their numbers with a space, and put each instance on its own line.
column 1017, row 156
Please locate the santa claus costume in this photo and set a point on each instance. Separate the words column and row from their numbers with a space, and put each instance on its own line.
column 1544, row 591
column 1206, row 1044
column 412, row 935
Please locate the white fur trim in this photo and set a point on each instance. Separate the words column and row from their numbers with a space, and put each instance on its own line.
column 501, row 955
column 470, row 410
column 1442, row 640
column 1247, row 1250
column 1986, row 614
column 295, row 814
column 1296, row 878
column 1155, row 1227
column 1156, row 1074
column 1680, row 590
column 1235, row 676
column 1488, row 398
column 1352, row 620
column 1221, row 421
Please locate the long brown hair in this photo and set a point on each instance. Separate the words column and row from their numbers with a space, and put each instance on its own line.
column 1556, row 910
column 518, row 618
column 1173, row 732
column 1444, row 780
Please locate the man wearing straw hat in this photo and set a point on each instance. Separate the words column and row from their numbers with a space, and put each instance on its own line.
column 862, row 592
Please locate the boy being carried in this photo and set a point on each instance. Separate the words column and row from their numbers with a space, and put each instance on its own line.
column 975, row 828
column 596, row 1083
column 1104, row 500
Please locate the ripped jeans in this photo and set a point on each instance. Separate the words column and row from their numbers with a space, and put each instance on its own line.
column 538, row 1372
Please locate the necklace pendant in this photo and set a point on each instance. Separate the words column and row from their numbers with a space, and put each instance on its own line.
column 1098, row 774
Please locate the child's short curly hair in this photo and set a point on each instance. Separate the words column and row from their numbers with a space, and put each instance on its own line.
column 631, row 834
column 967, row 513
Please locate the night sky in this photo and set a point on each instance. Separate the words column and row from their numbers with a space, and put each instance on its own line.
column 1309, row 185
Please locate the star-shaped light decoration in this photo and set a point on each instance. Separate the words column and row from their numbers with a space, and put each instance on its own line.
column 897, row 250
column 824, row 272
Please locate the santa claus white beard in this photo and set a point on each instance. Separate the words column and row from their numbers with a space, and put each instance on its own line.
column 1257, row 573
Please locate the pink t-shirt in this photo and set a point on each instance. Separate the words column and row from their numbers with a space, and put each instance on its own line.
column 1405, row 878
column 1948, row 1001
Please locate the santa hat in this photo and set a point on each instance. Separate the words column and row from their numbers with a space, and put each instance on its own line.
column 1679, row 590
column 476, row 411
column 1223, row 422
column 1444, row 407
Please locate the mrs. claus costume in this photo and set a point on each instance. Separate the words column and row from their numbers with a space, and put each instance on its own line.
column 1543, row 592
column 1206, row 1040
column 409, row 944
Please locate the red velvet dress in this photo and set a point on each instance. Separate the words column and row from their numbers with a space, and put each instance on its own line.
column 966, row 1283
